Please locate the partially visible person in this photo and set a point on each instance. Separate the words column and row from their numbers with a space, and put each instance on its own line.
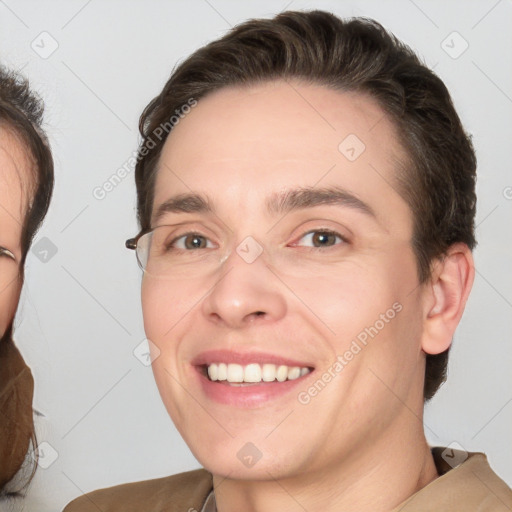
column 26, row 185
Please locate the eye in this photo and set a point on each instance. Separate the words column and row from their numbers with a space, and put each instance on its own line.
column 323, row 238
column 190, row 241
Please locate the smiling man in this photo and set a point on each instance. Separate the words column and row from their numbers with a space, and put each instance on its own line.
column 306, row 237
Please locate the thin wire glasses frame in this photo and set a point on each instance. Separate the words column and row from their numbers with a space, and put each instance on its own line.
column 167, row 260
column 163, row 257
column 142, row 250
column 132, row 244
column 6, row 252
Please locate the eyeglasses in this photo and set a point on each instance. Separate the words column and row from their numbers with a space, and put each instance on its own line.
column 175, row 253
column 158, row 256
column 6, row 252
column 8, row 267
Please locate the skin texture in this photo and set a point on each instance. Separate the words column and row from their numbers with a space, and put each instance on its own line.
column 359, row 443
column 16, row 382
column 14, row 174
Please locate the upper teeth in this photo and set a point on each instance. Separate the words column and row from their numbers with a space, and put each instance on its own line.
column 254, row 372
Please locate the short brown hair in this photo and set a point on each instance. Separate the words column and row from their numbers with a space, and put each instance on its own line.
column 357, row 55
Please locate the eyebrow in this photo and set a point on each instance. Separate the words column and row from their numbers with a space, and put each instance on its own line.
column 309, row 197
column 278, row 203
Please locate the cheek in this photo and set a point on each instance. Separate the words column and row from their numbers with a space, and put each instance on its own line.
column 157, row 309
column 347, row 299
column 160, row 313
column 165, row 304
column 366, row 310
column 9, row 297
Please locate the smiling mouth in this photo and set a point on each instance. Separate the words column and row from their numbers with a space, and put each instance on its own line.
column 254, row 373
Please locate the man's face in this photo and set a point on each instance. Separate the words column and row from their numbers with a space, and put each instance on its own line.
column 344, row 306
column 14, row 169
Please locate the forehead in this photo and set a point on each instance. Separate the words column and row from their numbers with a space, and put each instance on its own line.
column 240, row 141
column 280, row 115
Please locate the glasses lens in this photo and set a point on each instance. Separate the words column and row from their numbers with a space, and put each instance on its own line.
column 8, row 268
column 7, row 254
column 154, row 253
column 142, row 251
column 159, row 254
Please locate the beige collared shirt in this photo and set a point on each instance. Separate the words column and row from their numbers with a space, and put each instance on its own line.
column 466, row 484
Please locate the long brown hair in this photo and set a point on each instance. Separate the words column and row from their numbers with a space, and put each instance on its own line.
column 21, row 113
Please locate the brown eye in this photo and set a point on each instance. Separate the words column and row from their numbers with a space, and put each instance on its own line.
column 323, row 238
column 190, row 241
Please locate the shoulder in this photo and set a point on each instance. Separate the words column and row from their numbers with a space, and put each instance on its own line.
column 466, row 482
column 490, row 491
column 181, row 492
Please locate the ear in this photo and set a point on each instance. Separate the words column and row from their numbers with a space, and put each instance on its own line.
column 445, row 297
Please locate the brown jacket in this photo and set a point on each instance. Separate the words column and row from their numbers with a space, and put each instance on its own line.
column 16, row 423
column 470, row 487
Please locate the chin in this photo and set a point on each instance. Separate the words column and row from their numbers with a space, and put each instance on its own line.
column 241, row 459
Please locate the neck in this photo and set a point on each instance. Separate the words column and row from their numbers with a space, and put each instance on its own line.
column 378, row 480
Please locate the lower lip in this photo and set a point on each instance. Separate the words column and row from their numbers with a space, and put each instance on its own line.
column 246, row 396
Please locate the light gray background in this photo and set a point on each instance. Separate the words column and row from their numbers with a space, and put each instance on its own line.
column 80, row 320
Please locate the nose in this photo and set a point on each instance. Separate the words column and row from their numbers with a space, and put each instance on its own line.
column 245, row 292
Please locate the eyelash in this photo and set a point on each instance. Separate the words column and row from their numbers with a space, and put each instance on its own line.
column 323, row 231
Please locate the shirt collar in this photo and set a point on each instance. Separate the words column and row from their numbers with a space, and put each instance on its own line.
column 444, row 467
column 209, row 504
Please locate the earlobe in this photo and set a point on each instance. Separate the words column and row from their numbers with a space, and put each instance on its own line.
column 445, row 298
